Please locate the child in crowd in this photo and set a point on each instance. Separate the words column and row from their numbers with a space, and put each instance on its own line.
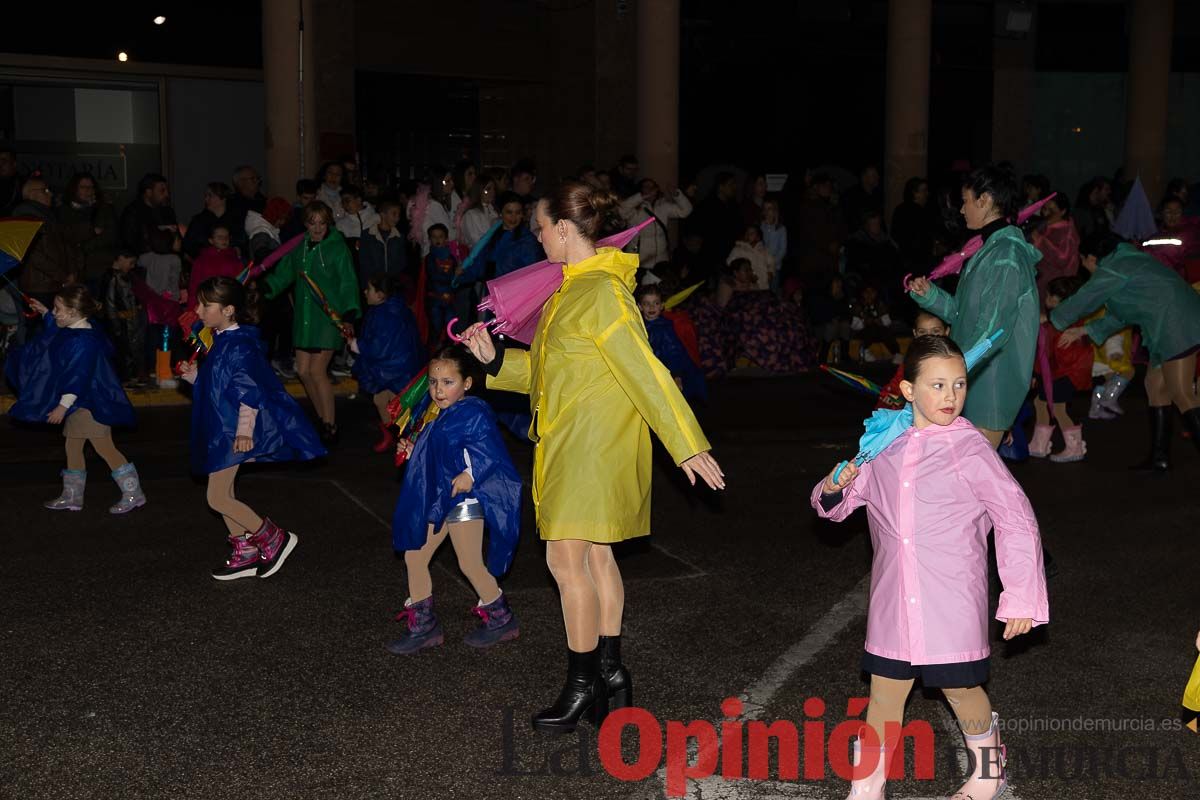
column 1071, row 370
column 163, row 267
column 933, row 494
column 241, row 413
column 126, row 322
column 441, row 267
column 774, row 235
column 389, row 350
column 358, row 217
column 870, row 320
column 751, row 248
column 459, row 476
column 925, row 324
column 218, row 259
column 667, row 345
column 65, row 375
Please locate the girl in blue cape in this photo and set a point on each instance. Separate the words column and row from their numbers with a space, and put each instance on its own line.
column 459, row 476
column 66, row 373
column 667, row 346
column 240, row 413
column 389, row 350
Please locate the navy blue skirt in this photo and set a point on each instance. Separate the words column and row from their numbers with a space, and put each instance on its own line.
column 961, row 675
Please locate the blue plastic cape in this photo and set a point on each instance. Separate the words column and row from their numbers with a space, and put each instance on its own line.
column 437, row 459
column 885, row 425
column 62, row 361
column 390, row 352
column 236, row 371
column 670, row 351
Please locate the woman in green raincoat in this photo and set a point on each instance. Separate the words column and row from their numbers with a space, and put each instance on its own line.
column 324, row 257
column 1134, row 288
column 996, row 291
column 596, row 390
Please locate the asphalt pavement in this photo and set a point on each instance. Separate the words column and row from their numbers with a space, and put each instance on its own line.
column 127, row 672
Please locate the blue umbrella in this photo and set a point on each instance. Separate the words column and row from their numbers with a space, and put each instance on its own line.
column 885, row 425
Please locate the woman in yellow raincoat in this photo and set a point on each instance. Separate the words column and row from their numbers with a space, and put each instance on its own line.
column 595, row 389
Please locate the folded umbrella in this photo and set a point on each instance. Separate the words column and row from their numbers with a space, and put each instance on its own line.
column 885, row 425
column 953, row 263
column 516, row 299
column 856, row 381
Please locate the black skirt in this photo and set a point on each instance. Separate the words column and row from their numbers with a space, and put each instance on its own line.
column 961, row 675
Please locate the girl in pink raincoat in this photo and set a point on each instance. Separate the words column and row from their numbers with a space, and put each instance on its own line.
column 931, row 498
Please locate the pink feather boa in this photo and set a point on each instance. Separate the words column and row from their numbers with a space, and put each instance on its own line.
column 418, row 207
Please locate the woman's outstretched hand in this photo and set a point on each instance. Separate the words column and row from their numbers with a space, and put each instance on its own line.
column 919, row 286
column 479, row 341
column 704, row 465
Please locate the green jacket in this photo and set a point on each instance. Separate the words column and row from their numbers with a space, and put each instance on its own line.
column 1135, row 288
column 996, row 291
column 331, row 268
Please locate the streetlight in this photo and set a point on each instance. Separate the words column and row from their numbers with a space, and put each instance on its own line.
column 159, row 20
column 122, row 56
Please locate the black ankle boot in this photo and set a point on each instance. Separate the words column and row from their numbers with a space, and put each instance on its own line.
column 1159, row 459
column 1191, row 421
column 620, row 683
column 585, row 692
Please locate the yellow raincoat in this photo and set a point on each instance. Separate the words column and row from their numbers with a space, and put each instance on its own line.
column 596, row 389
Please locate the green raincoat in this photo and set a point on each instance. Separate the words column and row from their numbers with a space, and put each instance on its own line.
column 1137, row 289
column 330, row 266
column 996, row 291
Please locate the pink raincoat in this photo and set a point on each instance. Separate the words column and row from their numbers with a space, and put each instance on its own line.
column 931, row 497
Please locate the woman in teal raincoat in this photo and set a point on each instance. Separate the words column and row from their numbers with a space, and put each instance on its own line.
column 1134, row 288
column 996, row 291
column 326, row 259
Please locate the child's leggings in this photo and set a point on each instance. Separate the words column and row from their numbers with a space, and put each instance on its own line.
column 467, row 538
column 238, row 516
column 104, row 448
column 888, row 696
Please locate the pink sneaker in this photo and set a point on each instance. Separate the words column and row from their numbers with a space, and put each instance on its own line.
column 1076, row 447
column 242, row 562
column 274, row 546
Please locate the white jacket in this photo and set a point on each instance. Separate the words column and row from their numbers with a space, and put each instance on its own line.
column 653, row 245
column 475, row 223
column 353, row 225
column 760, row 260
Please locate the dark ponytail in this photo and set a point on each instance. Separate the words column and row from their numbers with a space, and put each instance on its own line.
column 926, row 347
column 225, row 291
column 998, row 182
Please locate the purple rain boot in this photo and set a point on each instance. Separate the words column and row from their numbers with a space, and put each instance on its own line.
column 132, row 495
column 424, row 630
column 71, row 498
column 498, row 624
column 274, row 546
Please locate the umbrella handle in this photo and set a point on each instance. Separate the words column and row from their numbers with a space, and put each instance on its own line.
column 454, row 337
column 904, row 281
column 837, row 473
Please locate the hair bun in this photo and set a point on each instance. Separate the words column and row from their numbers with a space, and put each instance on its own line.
column 603, row 201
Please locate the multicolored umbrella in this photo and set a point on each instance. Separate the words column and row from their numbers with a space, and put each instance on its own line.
column 516, row 299
column 411, row 411
column 885, row 425
column 16, row 234
column 855, row 381
column 334, row 316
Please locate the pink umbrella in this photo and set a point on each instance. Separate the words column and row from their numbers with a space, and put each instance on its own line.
column 516, row 299
column 160, row 309
column 254, row 270
column 953, row 263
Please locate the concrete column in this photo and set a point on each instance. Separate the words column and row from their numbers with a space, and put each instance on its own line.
column 1013, row 90
column 281, row 87
column 658, row 89
column 907, row 126
column 1150, row 34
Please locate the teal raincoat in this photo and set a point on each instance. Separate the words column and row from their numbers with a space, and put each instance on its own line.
column 996, row 291
column 1135, row 288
